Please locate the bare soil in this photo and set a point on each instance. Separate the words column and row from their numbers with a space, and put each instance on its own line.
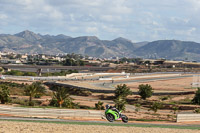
column 31, row 127
column 183, row 84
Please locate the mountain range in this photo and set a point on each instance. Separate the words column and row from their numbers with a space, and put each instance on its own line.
column 30, row 42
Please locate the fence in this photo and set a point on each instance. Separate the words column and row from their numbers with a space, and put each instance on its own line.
column 46, row 112
column 187, row 117
column 196, row 81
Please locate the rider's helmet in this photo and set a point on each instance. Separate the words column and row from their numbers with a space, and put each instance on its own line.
column 107, row 106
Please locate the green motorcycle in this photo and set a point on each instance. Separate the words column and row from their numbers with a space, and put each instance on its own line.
column 113, row 114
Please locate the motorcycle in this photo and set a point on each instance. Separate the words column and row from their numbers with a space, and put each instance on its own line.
column 113, row 115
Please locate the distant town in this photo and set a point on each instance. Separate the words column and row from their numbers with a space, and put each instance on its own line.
column 115, row 64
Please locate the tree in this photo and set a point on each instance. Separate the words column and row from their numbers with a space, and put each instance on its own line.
column 61, row 98
column 122, row 91
column 36, row 88
column 196, row 98
column 99, row 105
column 4, row 94
column 145, row 91
column 68, row 62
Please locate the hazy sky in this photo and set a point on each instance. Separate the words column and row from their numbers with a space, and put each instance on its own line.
column 136, row 20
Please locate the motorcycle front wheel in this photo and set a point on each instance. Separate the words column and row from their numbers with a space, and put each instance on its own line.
column 124, row 118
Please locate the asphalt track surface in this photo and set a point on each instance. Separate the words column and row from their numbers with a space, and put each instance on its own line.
column 104, row 123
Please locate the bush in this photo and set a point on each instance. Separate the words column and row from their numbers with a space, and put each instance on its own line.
column 61, row 73
column 164, row 98
column 137, row 107
column 175, row 108
column 196, row 98
column 31, row 103
column 155, row 106
column 20, row 101
column 99, row 105
column 145, row 91
column 4, row 94
column 197, row 110
column 19, row 73
column 29, row 74
column 68, row 103
column 120, row 103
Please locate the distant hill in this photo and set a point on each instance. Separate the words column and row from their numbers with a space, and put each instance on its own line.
column 170, row 49
column 30, row 42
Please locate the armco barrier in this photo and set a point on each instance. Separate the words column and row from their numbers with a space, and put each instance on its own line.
column 187, row 117
column 46, row 112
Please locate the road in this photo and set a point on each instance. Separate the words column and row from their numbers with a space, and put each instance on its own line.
column 34, row 68
column 112, row 85
column 104, row 123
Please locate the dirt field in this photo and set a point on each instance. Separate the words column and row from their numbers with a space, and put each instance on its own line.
column 30, row 127
column 183, row 84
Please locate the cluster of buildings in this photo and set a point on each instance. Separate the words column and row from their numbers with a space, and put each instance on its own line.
column 13, row 58
column 114, row 62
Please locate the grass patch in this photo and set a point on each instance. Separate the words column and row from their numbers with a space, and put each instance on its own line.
column 147, row 120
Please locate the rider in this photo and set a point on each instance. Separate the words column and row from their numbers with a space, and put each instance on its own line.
column 112, row 108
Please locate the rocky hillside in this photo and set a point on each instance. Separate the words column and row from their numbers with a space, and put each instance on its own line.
column 170, row 49
column 29, row 42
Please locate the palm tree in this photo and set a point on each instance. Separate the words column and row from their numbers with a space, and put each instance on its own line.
column 36, row 88
column 60, row 95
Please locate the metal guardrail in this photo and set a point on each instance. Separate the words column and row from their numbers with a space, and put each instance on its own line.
column 187, row 117
column 45, row 112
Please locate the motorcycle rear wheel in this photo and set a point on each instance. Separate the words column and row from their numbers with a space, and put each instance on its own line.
column 110, row 117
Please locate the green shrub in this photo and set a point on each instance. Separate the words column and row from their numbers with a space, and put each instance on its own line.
column 196, row 98
column 99, row 105
column 4, row 94
column 23, row 102
column 137, row 107
column 197, row 110
column 19, row 73
column 164, row 98
column 145, row 91
column 155, row 106
column 175, row 108
column 120, row 103
column 31, row 103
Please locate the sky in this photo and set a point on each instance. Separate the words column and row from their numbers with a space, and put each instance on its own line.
column 136, row 20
